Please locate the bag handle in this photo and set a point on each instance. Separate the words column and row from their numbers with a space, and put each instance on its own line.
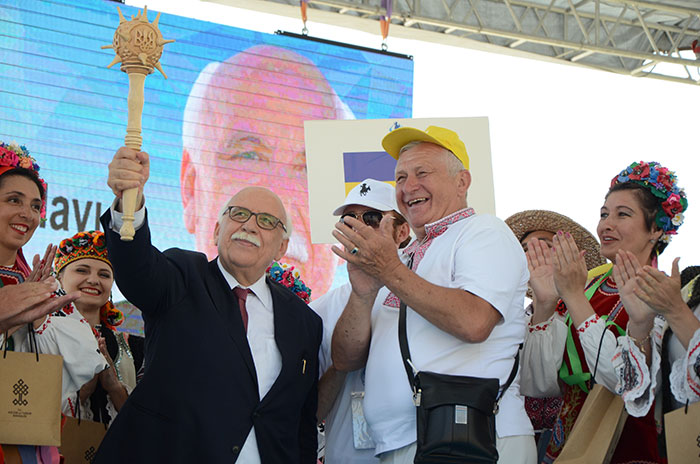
column 410, row 368
column 78, row 414
column 33, row 347
column 77, row 406
column 5, row 343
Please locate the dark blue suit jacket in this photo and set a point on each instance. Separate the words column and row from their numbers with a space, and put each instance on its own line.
column 199, row 396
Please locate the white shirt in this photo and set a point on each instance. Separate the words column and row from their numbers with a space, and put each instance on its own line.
column 261, row 335
column 340, row 447
column 478, row 254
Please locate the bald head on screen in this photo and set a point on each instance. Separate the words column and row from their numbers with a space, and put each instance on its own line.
column 244, row 126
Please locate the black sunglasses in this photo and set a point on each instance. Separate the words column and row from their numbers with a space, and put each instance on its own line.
column 371, row 218
column 265, row 220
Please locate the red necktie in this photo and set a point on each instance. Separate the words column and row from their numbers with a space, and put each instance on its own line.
column 242, row 294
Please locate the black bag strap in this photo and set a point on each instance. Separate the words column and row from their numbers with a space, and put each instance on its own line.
column 406, row 356
column 403, row 339
column 406, row 352
column 666, row 395
column 403, row 344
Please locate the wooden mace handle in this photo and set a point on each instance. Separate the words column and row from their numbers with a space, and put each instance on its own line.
column 132, row 140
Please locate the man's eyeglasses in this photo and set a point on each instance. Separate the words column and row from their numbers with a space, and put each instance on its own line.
column 264, row 220
column 371, row 218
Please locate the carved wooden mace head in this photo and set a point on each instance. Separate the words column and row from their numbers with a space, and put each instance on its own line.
column 138, row 44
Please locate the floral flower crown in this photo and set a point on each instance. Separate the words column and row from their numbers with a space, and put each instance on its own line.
column 89, row 244
column 14, row 156
column 662, row 183
column 289, row 277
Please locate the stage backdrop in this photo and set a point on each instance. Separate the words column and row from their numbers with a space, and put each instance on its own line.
column 230, row 114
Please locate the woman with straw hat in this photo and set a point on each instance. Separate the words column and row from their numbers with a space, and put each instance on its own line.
column 543, row 225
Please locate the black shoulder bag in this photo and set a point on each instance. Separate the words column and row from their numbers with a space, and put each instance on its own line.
column 456, row 415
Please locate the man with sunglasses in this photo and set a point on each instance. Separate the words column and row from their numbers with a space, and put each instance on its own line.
column 464, row 290
column 232, row 356
column 340, row 395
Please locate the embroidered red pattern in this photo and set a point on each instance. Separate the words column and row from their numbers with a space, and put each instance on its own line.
column 418, row 248
column 72, row 409
column 588, row 323
column 44, row 326
column 537, row 327
column 639, row 368
column 561, row 308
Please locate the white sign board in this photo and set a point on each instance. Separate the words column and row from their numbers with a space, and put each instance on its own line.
column 340, row 154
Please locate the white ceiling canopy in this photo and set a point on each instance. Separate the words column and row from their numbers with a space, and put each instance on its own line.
column 638, row 38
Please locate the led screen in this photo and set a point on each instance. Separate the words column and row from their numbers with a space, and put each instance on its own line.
column 229, row 115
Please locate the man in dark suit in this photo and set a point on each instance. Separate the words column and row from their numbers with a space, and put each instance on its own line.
column 225, row 381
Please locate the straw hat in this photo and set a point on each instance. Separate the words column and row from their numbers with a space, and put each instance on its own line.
column 524, row 222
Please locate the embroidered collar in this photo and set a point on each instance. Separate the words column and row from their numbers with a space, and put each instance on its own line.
column 419, row 247
column 436, row 229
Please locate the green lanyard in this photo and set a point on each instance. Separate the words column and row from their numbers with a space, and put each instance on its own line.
column 577, row 376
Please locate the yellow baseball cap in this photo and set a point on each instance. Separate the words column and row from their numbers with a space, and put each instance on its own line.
column 397, row 138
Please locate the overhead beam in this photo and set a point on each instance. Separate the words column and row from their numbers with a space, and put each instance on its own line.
column 594, row 37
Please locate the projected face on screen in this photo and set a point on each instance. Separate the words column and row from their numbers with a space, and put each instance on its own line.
column 243, row 125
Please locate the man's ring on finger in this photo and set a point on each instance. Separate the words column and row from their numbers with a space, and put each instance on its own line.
column 354, row 251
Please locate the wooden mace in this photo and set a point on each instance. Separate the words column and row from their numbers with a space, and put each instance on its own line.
column 138, row 45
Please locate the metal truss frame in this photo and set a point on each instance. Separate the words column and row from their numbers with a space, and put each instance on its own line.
column 632, row 37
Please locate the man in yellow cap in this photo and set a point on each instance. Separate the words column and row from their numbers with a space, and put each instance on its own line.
column 464, row 290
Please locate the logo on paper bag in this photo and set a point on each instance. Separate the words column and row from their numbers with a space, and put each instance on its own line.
column 90, row 454
column 20, row 390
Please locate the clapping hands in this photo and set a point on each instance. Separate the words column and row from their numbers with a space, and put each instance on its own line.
column 539, row 263
column 570, row 272
column 625, row 274
column 660, row 292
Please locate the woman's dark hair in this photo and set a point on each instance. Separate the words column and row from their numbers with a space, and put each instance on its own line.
column 650, row 204
column 29, row 174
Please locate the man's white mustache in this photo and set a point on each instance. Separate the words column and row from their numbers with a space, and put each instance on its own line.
column 297, row 248
column 242, row 235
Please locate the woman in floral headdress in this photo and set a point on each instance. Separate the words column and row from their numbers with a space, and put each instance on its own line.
column 574, row 329
column 668, row 376
column 22, row 207
column 82, row 265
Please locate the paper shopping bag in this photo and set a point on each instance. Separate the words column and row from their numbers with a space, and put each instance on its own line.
column 683, row 435
column 30, row 398
column 597, row 430
column 80, row 440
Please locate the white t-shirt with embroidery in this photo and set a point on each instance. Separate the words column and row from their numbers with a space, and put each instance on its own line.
column 478, row 254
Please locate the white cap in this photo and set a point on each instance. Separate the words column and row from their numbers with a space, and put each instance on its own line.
column 372, row 194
